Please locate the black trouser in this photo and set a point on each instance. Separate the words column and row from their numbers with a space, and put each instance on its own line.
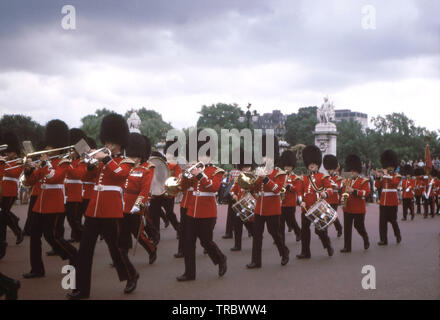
column 7, row 287
column 418, row 203
column 182, row 227
column 306, row 235
column 230, row 219
column 388, row 214
column 288, row 218
column 111, row 229
column 407, row 204
column 359, row 225
column 437, row 204
column 337, row 223
column 133, row 227
column 74, row 216
column 238, row 230
column 8, row 219
column 201, row 228
column 83, row 207
column 428, row 204
column 27, row 225
column 156, row 206
column 46, row 224
column 273, row 227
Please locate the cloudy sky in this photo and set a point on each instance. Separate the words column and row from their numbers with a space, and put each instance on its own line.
column 174, row 56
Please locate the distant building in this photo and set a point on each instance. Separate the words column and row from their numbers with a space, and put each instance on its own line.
column 346, row 114
column 275, row 120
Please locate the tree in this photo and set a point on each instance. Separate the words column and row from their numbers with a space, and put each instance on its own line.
column 300, row 126
column 220, row 116
column 24, row 127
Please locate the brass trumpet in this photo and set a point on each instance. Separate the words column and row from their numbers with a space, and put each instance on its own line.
column 173, row 186
column 88, row 157
column 187, row 173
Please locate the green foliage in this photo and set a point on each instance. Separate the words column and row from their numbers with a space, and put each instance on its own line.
column 91, row 123
column 300, row 126
column 220, row 116
column 24, row 127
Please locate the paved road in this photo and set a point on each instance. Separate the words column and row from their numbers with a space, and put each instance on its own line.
column 410, row 270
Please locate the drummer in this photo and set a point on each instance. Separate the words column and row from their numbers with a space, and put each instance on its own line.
column 237, row 194
column 315, row 186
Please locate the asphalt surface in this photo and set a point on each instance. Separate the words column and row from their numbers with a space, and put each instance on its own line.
column 409, row 270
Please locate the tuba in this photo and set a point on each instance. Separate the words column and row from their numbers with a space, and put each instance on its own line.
column 345, row 195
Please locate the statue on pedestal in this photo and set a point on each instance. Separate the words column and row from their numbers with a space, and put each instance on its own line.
column 326, row 113
column 134, row 122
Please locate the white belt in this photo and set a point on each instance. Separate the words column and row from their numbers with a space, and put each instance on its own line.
column 107, row 188
column 10, row 179
column 389, row 190
column 88, row 183
column 73, row 181
column 204, row 194
column 52, row 186
column 268, row 194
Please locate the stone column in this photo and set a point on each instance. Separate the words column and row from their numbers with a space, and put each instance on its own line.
column 325, row 139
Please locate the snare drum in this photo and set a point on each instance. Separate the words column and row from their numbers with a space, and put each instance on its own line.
column 321, row 214
column 244, row 208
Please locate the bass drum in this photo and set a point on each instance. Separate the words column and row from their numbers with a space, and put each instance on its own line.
column 161, row 174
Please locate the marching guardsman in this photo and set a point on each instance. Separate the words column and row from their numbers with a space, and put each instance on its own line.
column 201, row 215
column 48, row 211
column 428, row 192
column 437, row 190
column 268, row 187
column 389, row 181
column 237, row 193
column 315, row 186
column 331, row 164
column 290, row 201
column 408, row 185
column 355, row 206
column 74, row 187
column 418, row 188
column 9, row 189
column 88, row 182
column 104, row 214
column 136, row 193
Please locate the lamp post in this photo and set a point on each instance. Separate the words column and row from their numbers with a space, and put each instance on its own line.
column 248, row 117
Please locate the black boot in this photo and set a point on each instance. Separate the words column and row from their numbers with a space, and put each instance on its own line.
column 131, row 284
column 253, row 265
column 9, row 287
column 222, row 267
column 152, row 258
column 76, row 295
column 285, row 257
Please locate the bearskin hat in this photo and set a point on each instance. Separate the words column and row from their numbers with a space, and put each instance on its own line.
column 136, row 146
column 330, row 162
column 114, row 129
column 418, row 172
column 76, row 135
column 57, row 134
column 407, row 170
column 288, row 158
column 11, row 139
column 312, row 154
column 147, row 147
column 276, row 151
column 353, row 163
column 91, row 142
column 388, row 158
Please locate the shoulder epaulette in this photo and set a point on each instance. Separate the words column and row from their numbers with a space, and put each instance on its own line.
column 127, row 161
column 63, row 161
column 219, row 170
column 280, row 172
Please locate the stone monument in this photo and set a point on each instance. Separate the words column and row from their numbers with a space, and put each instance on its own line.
column 325, row 131
column 134, row 122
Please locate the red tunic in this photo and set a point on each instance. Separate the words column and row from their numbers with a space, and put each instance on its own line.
column 203, row 204
column 389, row 184
column 418, row 187
column 137, row 187
column 10, row 178
column 336, row 182
column 428, row 184
column 73, row 182
column 294, row 182
column 236, row 190
column 309, row 194
column 106, row 200
column 51, row 197
column 408, row 188
column 268, row 194
column 356, row 201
